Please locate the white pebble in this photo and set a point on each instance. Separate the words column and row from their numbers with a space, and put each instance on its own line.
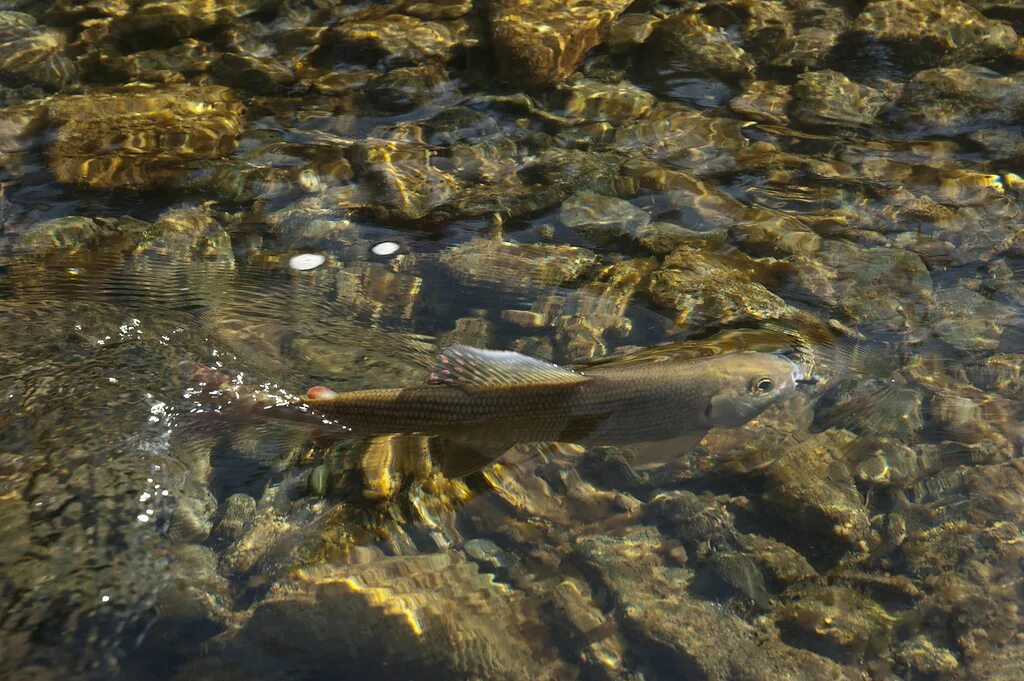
column 385, row 248
column 306, row 261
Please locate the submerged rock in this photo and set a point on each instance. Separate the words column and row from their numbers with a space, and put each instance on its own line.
column 662, row 238
column 705, row 293
column 403, row 183
column 813, row 489
column 401, row 39
column 597, row 101
column 787, row 34
column 936, row 32
column 884, row 287
column 654, row 605
column 541, row 42
column 32, row 53
column 968, row 320
column 602, row 219
column 841, row 620
column 953, row 99
column 923, row 656
column 68, row 233
column 165, row 129
column 512, row 265
column 164, row 19
column 764, row 100
column 423, row 615
column 696, row 46
column 830, row 98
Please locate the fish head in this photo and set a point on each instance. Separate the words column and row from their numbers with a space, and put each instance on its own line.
column 743, row 384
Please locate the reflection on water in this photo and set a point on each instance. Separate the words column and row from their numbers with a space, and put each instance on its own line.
column 277, row 196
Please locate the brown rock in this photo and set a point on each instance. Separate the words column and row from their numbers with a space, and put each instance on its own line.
column 541, row 42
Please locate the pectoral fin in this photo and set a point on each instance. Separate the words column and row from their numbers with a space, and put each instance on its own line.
column 724, row 411
column 476, row 370
column 655, row 454
column 459, row 457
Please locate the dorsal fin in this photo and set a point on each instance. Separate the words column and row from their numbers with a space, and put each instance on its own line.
column 477, row 370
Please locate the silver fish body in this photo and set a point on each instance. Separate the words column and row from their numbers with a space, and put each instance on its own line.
column 484, row 395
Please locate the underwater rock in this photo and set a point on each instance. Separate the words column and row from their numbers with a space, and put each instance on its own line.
column 949, row 100
column 33, row 53
column 236, row 513
column 459, row 124
column 430, row 615
column 372, row 290
column 172, row 19
column 437, row 9
column 694, row 45
column 788, row 34
column 704, row 293
column 661, row 238
column 630, row 30
column 602, row 649
column 1002, row 373
column 474, row 331
column 511, row 265
column 557, row 173
column 653, row 603
column 597, row 311
column 923, row 656
column 541, row 42
column 975, row 612
column 764, row 101
column 401, row 39
column 78, row 9
column 928, row 33
column 195, row 595
column 830, row 98
column 192, row 519
column 263, row 76
column 70, row 233
column 597, row 101
column 19, row 128
column 602, row 219
column 968, row 320
column 186, row 233
column 812, row 488
column 707, row 529
column 402, row 89
column 170, row 66
column 780, row 563
column 764, row 232
column 167, row 128
column 883, row 287
column 845, row 623
column 402, row 182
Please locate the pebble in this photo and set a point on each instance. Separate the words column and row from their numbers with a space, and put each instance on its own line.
column 306, row 261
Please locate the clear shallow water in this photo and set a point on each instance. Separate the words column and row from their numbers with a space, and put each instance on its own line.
column 149, row 530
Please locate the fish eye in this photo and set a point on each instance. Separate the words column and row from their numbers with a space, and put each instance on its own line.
column 760, row 386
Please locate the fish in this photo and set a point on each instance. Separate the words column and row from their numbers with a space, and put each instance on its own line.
column 507, row 398
column 476, row 404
